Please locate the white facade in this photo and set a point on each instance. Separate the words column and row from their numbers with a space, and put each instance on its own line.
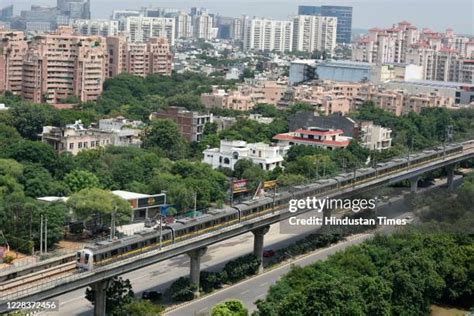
column 311, row 33
column 184, row 26
column 203, row 27
column 266, row 156
column 140, row 29
column 96, row 27
column 375, row 137
column 268, row 35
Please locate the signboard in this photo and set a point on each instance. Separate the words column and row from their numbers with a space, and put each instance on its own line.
column 239, row 186
column 154, row 200
column 270, row 184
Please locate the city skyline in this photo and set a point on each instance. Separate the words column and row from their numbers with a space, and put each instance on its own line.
column 366, row 14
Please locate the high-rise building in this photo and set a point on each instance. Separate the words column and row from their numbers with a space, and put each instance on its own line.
column 342, row 13
column 61, row 64
column 184, row 26
column 141, row 59
column 96, row 27
column 74, row 9
column 13, row 47
column 141, row 29
column 40, row 19
column 203, row 26
column 6, row 13
column 268, row 35
column 314, row 33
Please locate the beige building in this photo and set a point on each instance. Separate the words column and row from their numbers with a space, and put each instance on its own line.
column 141, row 29
column 13, row 47
column 314, row 33
column 61, row 64
column 74, row 138
column 268, row 35
column 141, row 59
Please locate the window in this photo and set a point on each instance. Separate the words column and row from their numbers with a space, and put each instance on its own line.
column 79, row 145
column 226, row 161
column 71, row 146
column 92, row 144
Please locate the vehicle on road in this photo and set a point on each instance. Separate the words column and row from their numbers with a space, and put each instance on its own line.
column 152, row 295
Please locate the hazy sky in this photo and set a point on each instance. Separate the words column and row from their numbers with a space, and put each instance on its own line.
column 435, row 14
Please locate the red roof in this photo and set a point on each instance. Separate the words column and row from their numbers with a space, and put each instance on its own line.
column 320, row 132
column 342, row 143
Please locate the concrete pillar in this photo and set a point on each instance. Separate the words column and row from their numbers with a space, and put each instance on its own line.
column 450, row 177
column 258, row 238
column 100, row 289
column 195, row 267
column 414, row 184
column 326, row 214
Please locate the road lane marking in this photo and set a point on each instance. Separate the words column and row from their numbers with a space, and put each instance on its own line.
column 244, row 292
column 263, row 284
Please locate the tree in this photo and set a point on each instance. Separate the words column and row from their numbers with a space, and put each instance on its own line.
column 118, row 294
column 229, row 308
column 139, row 308
column 30, row 151
column 165, row 135
column 29, row 118
column 9, row 167
column 240, row 166
column 78, row 180
column 91, row 203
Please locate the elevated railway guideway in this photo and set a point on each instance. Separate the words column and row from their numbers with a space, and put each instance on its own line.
column 98, row 263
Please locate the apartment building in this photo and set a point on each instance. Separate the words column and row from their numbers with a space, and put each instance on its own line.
column 140, row 29
column 375, row 137
column 203, row 26
column 314, row 33
column 13, row 48
column 191, row 123
column 61, row 64
column 96, row 27
column 184, row 25
column 268, row 35
column 141, row 59
column 268, row 157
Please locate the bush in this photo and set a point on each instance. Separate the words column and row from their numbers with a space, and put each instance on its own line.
column 182, row 290
column 8, row 259
column 241, row 267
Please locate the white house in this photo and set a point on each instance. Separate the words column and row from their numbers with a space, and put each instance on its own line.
column 266, row 156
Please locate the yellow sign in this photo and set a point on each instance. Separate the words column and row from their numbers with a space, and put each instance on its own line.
column 270, row 184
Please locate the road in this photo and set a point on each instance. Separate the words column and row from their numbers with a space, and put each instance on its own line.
column 159, row 276
column 256, row 288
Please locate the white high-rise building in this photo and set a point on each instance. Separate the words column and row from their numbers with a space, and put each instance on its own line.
column 268, row 35
column 311, row 33
column 184, row 26
column 96, row 27
column 141, row 29
column 202, row 26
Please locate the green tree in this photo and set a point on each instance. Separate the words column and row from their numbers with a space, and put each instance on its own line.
column 90, row 203
column 139, row 308
column 29, row 118
column 30, row 151
column 78, row 180
column 229, row 308
column 165, row 135
column 119, row 293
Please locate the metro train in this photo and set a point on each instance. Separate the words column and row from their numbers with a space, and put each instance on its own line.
column 104, row 252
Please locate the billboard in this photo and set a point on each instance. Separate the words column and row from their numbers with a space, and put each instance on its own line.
column 150, row 201
column 270, row 184
column 239, row 186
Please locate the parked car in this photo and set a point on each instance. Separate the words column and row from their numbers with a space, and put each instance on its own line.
column 268, row 253
column 151, row 295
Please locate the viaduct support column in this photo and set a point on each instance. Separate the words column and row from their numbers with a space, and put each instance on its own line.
column 450, row 177
column 258, row 237
column 100, row 289
column 195, row 267
column 414, row 184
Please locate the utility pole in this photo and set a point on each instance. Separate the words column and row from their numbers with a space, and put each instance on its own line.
column 46, row 235
column 112, row 226
column 161, row 228
column 41, row 235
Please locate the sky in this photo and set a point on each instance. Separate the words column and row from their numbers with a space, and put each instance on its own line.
column 435, row 14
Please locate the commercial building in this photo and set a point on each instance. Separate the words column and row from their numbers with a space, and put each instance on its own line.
column 327, row 138
column 268, row 35
column 314, row 33
column 141, row 59
column 141, row 29
column 344, row 71
column 6, row 13
column 61, row 64
column 268, row 157
column 203, row 27
column 191, row 124
column 342, row 13
column 74, row 9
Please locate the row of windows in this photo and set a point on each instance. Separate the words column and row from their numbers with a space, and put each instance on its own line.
column 92, row 144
